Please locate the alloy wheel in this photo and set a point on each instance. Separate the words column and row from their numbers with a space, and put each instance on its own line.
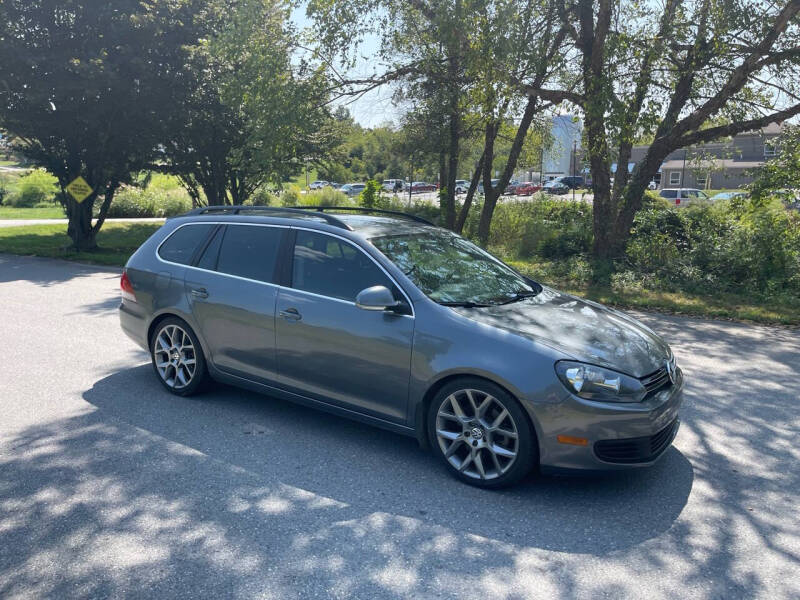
column 175, row 357
column 477, row 434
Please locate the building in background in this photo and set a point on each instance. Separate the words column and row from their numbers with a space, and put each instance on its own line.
column 556, row 160
column 729, row 163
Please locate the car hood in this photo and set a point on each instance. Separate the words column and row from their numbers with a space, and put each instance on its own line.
column 584, row 330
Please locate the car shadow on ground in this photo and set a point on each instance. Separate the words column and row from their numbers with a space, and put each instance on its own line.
column 292, row 486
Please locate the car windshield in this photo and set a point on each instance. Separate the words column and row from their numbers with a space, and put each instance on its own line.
column 450, row 270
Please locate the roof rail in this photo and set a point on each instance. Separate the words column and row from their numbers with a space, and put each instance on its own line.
column 269, row 210
column 364, row 209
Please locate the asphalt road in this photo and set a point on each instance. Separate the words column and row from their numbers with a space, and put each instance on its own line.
column 110, row 487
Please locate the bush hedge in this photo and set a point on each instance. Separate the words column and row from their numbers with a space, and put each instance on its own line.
column 35, row 188
column 132, row 202
column 736, row 246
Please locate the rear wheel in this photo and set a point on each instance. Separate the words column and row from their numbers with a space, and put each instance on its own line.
column 481, row 433
column 178, row 358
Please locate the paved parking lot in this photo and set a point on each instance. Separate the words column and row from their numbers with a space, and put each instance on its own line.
column 110, row 487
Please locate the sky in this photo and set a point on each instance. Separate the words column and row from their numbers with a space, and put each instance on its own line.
column 374, row 108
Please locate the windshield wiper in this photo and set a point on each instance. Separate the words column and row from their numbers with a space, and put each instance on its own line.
column 519, row 296
column 466, row 304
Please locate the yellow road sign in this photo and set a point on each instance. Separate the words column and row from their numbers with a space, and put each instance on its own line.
column 79, row 189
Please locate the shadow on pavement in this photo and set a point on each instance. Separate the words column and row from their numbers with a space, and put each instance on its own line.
column 318, row 500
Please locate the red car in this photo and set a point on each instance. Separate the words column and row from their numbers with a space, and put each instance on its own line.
column 419, row 187
column 528, row 189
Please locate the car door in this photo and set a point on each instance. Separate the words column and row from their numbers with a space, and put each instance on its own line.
column 327, row 348
column 232, row 292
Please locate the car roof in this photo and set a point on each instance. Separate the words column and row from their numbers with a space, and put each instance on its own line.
column 359, row 225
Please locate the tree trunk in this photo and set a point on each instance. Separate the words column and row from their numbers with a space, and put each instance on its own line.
column 443, row 208
column 79, row 228
column 490, row 195
column 452, row 169
column 473, row 185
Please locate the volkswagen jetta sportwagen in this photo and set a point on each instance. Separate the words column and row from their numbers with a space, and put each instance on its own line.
column 385, row 318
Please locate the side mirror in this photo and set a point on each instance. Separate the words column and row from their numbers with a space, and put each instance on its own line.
column 377, row 297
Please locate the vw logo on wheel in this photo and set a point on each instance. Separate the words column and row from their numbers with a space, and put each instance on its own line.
column 476, row 433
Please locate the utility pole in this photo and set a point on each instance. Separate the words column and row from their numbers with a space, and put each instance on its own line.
column 574, row 150
column 683, row 171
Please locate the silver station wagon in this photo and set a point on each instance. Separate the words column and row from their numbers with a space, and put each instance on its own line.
column 385, row 318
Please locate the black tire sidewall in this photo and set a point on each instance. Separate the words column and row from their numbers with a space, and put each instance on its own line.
column 528, row 454
column 200, row 375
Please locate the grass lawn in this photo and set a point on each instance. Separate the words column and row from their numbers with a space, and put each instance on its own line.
column 117, row 242
column 50, row 212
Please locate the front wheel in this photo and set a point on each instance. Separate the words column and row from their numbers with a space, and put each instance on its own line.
column 481, row 433
column 178, row 358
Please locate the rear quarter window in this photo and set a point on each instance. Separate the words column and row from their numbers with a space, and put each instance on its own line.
column 669, row 194
column 184, row 241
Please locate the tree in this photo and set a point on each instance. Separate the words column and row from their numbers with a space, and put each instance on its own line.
column 251, row 114
column 684, row 72
column 783, row 171
column 86, row 87
column 459, row 64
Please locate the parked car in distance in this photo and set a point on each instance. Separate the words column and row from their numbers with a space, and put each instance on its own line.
column 352, row 189
column 419, row 187
column 393, row 185
column 682, row 196
column 555, row 187
column 462, row 186
column 387, row 319
column 728, row 196
column 511, row 188
column 527, row 189
column 495, row 183
column 573, row 182
column 318, row 185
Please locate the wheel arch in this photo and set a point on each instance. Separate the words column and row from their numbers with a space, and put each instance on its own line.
column 161, row 317
column 422, row 407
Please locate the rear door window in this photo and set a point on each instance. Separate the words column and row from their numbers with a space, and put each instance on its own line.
column 331, row 267
column 182, row 244
column 250, row 251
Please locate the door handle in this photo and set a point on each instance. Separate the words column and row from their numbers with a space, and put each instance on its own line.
column 200, row 292
column 291, row 314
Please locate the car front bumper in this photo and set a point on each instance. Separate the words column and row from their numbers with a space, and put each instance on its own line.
column 579, row 434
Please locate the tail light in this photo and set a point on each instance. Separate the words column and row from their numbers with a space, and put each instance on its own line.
column 126, row 287
column 677, row 201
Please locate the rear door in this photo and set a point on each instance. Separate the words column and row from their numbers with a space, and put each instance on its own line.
column 232, row 291
column 329, row 349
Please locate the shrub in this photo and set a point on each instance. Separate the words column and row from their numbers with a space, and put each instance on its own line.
column 132, row 202
column 36, row 187
column 371, row 195
column 289, row 196
column 327, row 196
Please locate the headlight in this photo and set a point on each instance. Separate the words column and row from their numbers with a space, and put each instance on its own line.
column 599, row 383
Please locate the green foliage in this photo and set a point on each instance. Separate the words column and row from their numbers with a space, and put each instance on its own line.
column 90, row 86
column 132, row 202
column 540, row 227
column 251, row 115
column 36, row 188
column 371, row 195
column 783, row 171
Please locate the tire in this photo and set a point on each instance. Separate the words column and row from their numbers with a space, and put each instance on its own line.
column 174, row 350
column 473, row 437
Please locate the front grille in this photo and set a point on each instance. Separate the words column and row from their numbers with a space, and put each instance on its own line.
column 655, row 381
column 636, row 450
